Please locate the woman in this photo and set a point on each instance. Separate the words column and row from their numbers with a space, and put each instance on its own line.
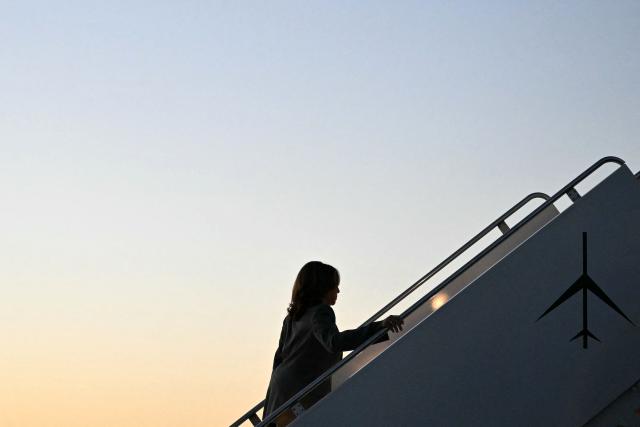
column 310, row 342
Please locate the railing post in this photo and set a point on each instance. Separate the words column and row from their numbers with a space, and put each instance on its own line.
column 503, row 227
column 573, row 194
column 255, row 420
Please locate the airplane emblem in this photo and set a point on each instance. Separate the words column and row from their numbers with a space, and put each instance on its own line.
column 585, row 283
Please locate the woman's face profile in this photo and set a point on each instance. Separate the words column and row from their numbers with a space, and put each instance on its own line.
column 332, row 296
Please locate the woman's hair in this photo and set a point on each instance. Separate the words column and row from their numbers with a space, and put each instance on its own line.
column 314, row 281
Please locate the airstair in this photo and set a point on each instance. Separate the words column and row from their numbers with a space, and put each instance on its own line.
column 541, row 328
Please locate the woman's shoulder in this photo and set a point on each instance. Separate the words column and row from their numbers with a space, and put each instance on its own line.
column 321, row 310
column 321, row 307
column 286, row 320
column 312, row 314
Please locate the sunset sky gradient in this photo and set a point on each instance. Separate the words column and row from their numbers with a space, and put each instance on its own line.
column 167, row 168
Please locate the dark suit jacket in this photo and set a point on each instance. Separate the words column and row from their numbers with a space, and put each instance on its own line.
column 308, row 347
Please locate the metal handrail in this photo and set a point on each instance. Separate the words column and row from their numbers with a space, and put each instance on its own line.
column 424, row 278
column 455, row 255
column 252, row 412
column 567, row 189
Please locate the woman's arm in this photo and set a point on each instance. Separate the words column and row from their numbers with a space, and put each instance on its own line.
column 326, row 331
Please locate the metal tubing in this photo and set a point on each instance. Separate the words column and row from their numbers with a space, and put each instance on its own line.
column 427, row 276
column 455, row 255
column 438, row 288
column 248, row 415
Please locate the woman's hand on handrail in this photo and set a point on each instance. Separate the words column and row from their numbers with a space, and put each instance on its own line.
column 393, row 323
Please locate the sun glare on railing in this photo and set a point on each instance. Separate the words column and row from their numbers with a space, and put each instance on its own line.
column 439, row 300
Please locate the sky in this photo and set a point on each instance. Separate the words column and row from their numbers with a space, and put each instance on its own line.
column 168, row 167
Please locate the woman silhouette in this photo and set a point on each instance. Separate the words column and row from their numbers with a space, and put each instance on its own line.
column 310, row 342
